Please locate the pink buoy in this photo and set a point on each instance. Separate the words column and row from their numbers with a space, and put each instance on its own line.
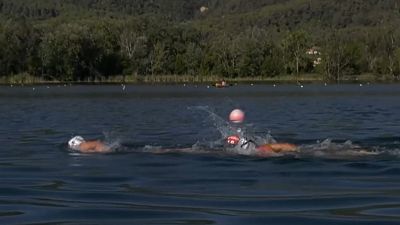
column 236, row 116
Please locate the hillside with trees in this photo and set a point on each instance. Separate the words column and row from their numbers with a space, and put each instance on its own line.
column 132, row 40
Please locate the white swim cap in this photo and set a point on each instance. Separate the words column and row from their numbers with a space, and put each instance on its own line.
column 75, row 142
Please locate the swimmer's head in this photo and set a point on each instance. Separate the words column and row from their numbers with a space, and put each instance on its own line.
column 75, row 142
column 236, row 116
column 233, row 140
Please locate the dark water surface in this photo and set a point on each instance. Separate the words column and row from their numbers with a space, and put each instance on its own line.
column 42, row 182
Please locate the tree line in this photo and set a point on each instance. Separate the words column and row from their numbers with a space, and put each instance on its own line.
column 98, row 49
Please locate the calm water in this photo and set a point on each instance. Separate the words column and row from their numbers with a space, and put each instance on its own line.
column 42, row 182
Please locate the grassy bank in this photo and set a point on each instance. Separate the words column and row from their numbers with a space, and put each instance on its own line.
column 26, row 79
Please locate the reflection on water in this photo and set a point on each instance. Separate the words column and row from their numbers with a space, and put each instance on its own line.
column 346, row 172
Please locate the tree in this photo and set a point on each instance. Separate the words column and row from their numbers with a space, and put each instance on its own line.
column 134, row 45
column 226, row 50
column 339, row 54
column 18, row 53
column 77, row 52
column 295, row 46
column 250, row 51
column 389, row 51
column 192, row 58
column 158, row 58
column 273, row 64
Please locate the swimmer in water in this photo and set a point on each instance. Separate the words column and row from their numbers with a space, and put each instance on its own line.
column 243, row 144
column 77, row 143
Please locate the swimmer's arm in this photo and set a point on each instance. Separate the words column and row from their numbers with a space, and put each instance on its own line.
column 283, row 147
column 93, row 146
column 278, row 147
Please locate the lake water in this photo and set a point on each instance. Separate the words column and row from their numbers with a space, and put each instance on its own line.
column 330, row 181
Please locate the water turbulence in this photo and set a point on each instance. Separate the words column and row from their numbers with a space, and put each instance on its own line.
column 327, row 148
column 330, row 149
column 112, row 141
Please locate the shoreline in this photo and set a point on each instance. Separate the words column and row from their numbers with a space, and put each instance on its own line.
column 210, row 80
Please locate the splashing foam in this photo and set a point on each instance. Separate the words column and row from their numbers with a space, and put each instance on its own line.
column 226, row 129
column 112, row 141
column 329, row 149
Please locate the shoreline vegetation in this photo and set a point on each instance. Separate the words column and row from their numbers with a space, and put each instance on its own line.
column 198, row 41
column 26, row 79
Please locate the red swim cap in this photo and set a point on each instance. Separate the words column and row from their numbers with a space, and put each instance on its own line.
column 233, row 140
column 236, row 116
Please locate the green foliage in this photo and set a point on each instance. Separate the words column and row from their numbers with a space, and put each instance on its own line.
column 273, row 64
column 341, row 56
column 77, row 52
column 88, row 40
column 18, row 52
column 295, row 46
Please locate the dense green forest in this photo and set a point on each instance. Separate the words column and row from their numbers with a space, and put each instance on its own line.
column 100, row 40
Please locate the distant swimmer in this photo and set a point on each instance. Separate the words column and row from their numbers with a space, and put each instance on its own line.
column 243, row 144
column 78, row 143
